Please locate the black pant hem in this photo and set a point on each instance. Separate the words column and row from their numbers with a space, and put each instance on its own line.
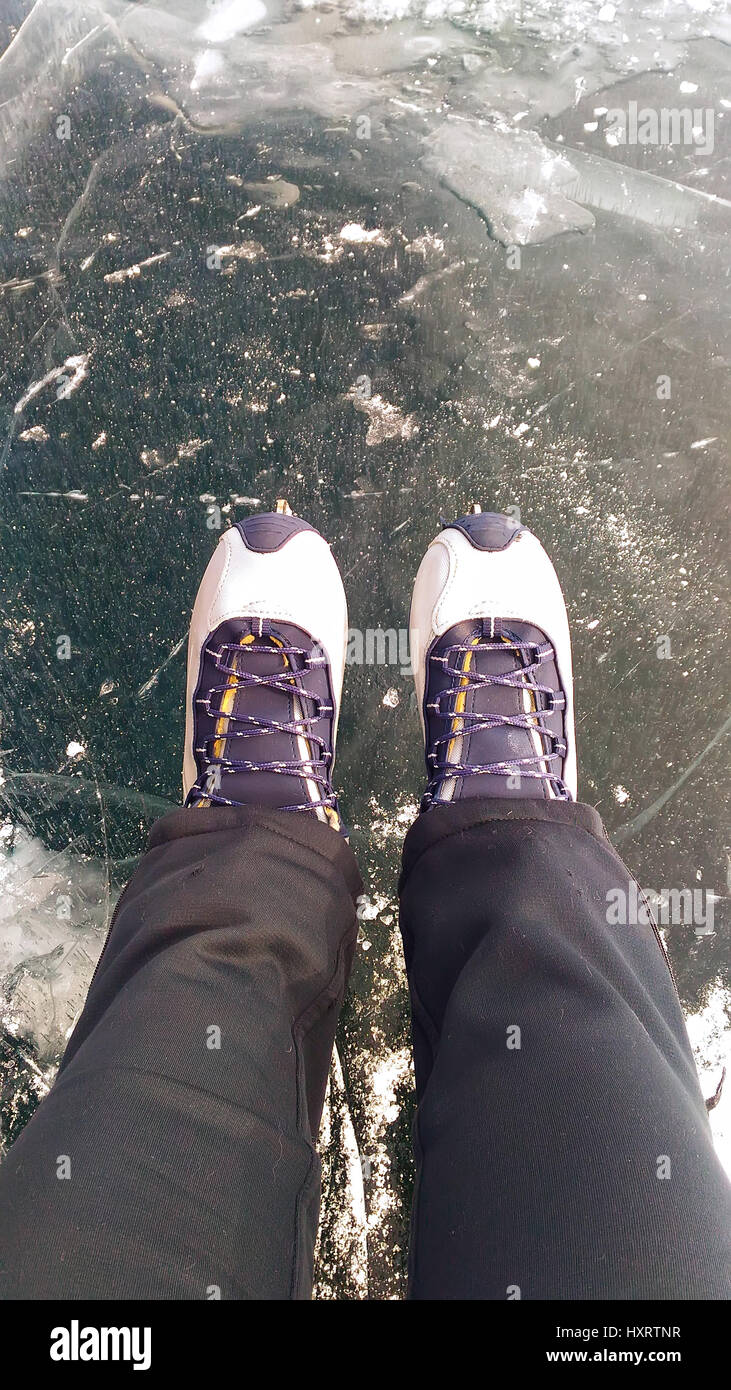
column 454, row 819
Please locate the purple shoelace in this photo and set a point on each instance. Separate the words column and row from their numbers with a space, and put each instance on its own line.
column 289, row 683
column 532, row 656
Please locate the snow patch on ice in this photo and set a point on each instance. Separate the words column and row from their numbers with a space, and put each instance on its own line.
column 53, row 913
column 228, row 20
column 355, row 234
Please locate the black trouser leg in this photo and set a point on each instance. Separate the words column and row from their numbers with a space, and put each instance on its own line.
column 174, row 1156
column 572, row 1159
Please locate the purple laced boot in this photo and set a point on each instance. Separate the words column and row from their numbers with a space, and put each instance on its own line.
column 494, row 714
column 265, row 669
column 492, row 664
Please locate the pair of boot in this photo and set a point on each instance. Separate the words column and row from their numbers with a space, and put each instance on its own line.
column 490, row 652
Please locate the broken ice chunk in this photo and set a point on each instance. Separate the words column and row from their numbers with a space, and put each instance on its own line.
column 510, row 177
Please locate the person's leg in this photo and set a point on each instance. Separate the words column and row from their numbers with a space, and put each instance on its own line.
column 174, row 1156
column 563, row 1146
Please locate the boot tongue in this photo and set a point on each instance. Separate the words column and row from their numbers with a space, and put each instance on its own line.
column 259, row 653
column 257, row 662
column 505, row 743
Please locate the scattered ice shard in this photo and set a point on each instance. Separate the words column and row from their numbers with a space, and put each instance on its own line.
column 606, row 184
column 70, row 374
column 273, row 193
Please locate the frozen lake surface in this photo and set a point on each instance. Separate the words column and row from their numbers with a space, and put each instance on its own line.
column 384, row 259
